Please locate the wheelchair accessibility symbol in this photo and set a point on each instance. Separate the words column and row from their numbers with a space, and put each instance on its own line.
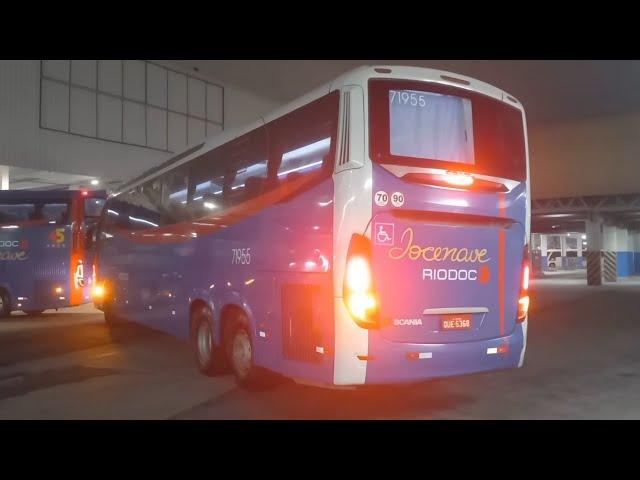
column 384, row 233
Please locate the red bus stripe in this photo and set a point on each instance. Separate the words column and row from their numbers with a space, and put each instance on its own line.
column 182, row 231
column 501, row 263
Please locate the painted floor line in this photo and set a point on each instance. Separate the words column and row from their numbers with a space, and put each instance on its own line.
column 108, row 354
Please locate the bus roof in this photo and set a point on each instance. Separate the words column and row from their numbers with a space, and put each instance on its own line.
column 358, row 76
column 28, row 195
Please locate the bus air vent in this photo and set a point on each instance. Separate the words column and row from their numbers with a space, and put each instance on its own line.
column 344, row 145
column 455, row 80
column 301, row 331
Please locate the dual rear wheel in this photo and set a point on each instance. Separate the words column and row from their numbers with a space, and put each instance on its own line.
column 5, row 304
column 235, row 353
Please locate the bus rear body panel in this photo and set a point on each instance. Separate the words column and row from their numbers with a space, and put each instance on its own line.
column 448, row 230
column 447, row 267
column 39, row 265
column 44, row 260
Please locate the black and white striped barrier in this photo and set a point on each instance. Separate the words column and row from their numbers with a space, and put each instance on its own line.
column 594, row 268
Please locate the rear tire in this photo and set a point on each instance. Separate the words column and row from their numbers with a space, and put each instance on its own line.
column 209, row 357
column 113, row 323
column 5, row 304
column 110, row 319
column 33, row 313
column 239, row 351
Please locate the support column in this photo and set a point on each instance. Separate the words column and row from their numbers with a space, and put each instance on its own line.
column 4, row 177
column 594, row 229
column 636, row 253
column 624, row 252
column 543, row 251
column 579, row 240
column 563, row 252
column 610, row 253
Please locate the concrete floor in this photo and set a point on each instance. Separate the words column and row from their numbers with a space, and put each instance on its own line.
column 583, row 361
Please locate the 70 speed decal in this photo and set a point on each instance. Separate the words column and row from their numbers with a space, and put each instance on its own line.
column 382, row 198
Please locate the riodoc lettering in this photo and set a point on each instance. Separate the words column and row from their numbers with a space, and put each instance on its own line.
column 435, row 254
column 449, row 274
column 9, row 243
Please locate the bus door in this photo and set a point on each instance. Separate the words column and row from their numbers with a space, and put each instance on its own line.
column 93, row 204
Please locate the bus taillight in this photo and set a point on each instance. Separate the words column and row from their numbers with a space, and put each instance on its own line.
column 523, row 298
column 358, row 291
column 98, row 291
column 458, row 179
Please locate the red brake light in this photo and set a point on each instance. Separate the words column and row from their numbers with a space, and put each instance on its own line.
column 458, row 179
column 523, row 298
column 358, row 291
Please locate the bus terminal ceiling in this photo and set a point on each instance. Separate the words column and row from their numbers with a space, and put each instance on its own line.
column 581, row 114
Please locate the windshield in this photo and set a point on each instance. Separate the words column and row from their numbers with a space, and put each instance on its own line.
column 431, row 125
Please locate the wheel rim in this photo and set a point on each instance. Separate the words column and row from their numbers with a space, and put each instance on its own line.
column 242, row 353
column 204, row 343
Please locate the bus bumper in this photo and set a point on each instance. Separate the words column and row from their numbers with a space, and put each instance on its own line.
column 28, row 303
column 392, row 362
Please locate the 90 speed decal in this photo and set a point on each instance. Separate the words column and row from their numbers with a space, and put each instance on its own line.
column 382, row 198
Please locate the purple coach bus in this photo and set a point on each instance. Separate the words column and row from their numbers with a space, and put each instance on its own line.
column 373, row 231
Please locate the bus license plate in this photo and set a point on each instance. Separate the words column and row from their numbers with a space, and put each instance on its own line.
column 456, row 322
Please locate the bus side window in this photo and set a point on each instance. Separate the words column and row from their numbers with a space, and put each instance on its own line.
column 206, row 184
column 229, row 175
column 303, row 141
column 247, row 177
column 55, row 213
column 174, row 195
column 114, row 220
column 145, row 206
column 11, row 213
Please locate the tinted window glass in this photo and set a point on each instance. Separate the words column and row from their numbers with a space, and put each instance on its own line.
column 146, row 209
column 231, row 174
column 141, row 218
column 206, row 184
column 93, row 207
column 247, row 177
column 115, row 218
column 57, row 213
column 174, row 195
column 37, row 212
column 303, row 141
column 16, row 213
column 300, row 143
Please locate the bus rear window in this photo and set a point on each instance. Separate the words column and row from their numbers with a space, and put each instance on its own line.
column 34, row 212
column 438, row 126
column 16, row 212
